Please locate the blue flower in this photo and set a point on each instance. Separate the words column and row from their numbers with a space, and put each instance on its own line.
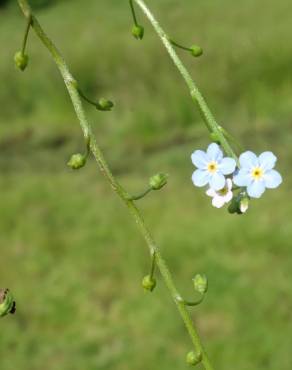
column 257, row 174
column 211, row 167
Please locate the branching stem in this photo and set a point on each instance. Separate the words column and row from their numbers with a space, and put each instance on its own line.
column 196, row 95
column 88, row 134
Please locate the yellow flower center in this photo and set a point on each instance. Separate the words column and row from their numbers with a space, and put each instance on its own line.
column 257, row 173
column 212, row 167
column 223, row 191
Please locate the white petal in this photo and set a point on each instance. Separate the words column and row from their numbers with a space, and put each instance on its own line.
column 267, row 160
column 242, row 178
column 256, row 189
column 229, row 184
column 248, row 160
column 211, row 192
column 214, row 152
column 228, row 197
column 218, row 202
column 272, row 179
column 199, row 159
column 200, row 178
column 227, row 166
column 217, row 181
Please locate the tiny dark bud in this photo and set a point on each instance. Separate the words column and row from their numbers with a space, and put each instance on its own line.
column 157, row 181
column 77, row 161
column 21, row 60
column 196, row 51
column 149, row 283
column 138, row 32
column 7, row 303
column 104, row 104
column 193, row 358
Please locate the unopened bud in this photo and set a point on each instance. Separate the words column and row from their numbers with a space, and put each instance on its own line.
column 200, row 283
column 77, row 161
column 149, row 283
column 157, row 181
column 215, row 138
column 243, row 204
column 104, row 104
column 196, row 50
column 239, row 204
column 21, row 60
column 7, row 303
column 138, row 32
column 193, row 358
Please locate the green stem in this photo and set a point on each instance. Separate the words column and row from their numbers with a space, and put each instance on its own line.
column 87, row 131
column 193, row 303
column 133, row 12
column 196, row 95
column 86, row 98
column 139, row 196
column 28, row 24
column 153, row 263
column 179, row 45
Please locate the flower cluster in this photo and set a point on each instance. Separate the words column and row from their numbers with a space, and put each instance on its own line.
column 251, row 177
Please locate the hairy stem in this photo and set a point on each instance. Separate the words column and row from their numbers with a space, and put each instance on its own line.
column 72, row 88
column 196, row 95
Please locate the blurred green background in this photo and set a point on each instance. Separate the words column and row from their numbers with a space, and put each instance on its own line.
column 70, row 252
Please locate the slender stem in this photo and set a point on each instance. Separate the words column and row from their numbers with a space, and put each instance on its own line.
column 87, row 131
column 85, row 97
column 133, row 12
column 191, row 303
column 28, row 24
column 196, row 95
column 179, row 45
column 140, row 196
column 153, row 263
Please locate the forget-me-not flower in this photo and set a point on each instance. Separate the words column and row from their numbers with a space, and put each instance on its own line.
column 223, row 196
column 257, row 173
column 211, row 167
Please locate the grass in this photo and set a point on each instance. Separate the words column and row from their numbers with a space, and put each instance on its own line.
column 69, row 250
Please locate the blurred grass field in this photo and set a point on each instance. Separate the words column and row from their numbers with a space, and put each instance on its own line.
column 70, row 252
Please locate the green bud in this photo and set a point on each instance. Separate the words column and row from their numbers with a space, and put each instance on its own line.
column 239, row 204
column 149, row 283
column 138, row 32
column 196, row 50
column 21, row 60
column 193, row 358
column 200, row 283
column 104, row 104
column 77, row 161
column 157, row 181
column 215, row 138
column 7, row 303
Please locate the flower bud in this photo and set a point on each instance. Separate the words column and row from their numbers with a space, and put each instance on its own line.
column 77, row 161
column 196, row 50
column 138, row 32
column 20, row 60
column 7, row 303
column 104, row 104
column 239, row 204
column 243, row 204
column 149, row 283
column 193, row 358
column 157, row 181
column 200, row 283
column 215, row 138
